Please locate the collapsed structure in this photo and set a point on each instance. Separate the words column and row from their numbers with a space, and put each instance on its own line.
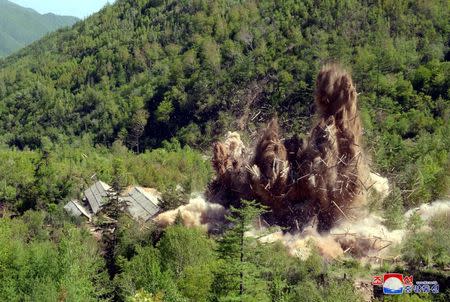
column 76, row 209
column 142, row 203
column 323, row 176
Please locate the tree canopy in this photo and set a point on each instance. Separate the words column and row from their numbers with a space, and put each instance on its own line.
column 148, row 71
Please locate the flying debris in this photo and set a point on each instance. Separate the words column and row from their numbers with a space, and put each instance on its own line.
column 325, row 176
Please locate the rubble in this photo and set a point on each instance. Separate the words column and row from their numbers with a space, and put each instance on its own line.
column 325, row 176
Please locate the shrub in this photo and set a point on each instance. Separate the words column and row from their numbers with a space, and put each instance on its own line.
column 429, row 248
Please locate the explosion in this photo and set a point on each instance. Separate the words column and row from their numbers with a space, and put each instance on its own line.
column 326, row 176
column 315, row 187
column 366, row 238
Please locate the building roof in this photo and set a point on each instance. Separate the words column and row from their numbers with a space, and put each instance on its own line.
column 74, row 208
column 96, row 195
column 141, row 203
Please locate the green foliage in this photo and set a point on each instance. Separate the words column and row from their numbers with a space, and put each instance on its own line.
column 282, row 272
column 415, row 222
column 164, row 169
column 161, row 77
column 189, row 255
column 306, row 291
column 130, row 234
column 120, row 175
column 407, row 298
column 137, row 128
column 340, row 291
column 237, row 277
column 423, row 248
column 178, row 269
column 281, row 277
column 393, row 209
column 143, row 296
column 143, row 271
column 145, row 73
column 36, row 265
column 31, row 179
column 107, row 222
column 182, row 247
column 20, row 26
column 173, row 197
column 16, row 174
column 47, row 262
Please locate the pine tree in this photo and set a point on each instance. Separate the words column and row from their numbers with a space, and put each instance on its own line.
column 120, row 175
column 108, row 224
column 238, row 278
column 137, row 129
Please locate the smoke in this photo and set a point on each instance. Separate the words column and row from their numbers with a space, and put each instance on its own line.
column 324, row 176
column 234, row 144
column 301, row 244
column 427, row 211
column 379, row 184
column 324, row 179
column 197, row 213
column 366, row 238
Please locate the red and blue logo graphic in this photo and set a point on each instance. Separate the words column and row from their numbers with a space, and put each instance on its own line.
column 393, row 284
column 397, row 284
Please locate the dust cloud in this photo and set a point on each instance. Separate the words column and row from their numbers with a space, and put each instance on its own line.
column 366, row 238
column 324, row 175
column 316, row 188
column 197, row 213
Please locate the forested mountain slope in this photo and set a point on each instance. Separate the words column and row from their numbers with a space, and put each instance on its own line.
column 135, row 94
column 20, row 26
column 194, row 69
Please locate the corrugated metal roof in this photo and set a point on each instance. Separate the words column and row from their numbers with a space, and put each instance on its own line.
column 141, row 204
column 74, row 208
column 97, row 195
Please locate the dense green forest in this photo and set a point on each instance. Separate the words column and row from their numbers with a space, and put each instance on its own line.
column 46, row 259
column 142, row 72
column 21, row 26
column 136, row 93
